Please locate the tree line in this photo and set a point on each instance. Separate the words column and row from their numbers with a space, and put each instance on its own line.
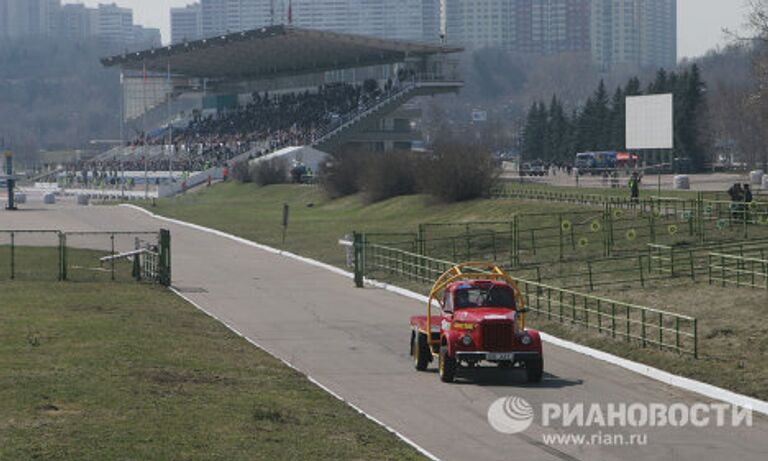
column 551, row 133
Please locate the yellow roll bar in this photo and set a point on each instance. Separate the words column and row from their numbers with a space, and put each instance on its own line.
column 471, row 271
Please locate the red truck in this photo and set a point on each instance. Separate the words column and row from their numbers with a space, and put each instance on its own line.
column 481, row 320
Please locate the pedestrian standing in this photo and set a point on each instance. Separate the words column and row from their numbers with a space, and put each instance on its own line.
column 634, row 188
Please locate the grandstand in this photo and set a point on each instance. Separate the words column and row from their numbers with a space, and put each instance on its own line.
column 260, row 92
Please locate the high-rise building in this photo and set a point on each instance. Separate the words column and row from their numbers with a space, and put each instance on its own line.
column 186, row 23
column 74, row 22
column 551, row 26
column 634, row 32
column 525, row 26
column 416, row 20
column 480, row 23
column 220, row 17
column 146, row 37
column 25, row 18
column 112, row 24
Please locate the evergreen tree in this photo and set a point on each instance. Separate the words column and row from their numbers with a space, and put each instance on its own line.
column 690, row 117
column 584, row 127
column 618, row 120
column 633, row 87
column 551, row 134
column 601, row 123
column 535, row 132
column 558, row 149
column 660, row 84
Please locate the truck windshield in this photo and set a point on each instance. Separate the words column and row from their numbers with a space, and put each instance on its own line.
column 494, row 296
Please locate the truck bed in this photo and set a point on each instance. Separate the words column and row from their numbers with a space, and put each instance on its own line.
column 420, row 322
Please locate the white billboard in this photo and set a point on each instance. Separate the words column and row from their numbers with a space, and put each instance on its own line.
column 650, row 122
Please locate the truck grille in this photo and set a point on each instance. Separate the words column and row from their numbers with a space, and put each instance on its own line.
column 498, row 337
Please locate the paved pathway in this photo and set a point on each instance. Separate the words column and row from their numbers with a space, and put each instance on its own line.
column 355, row 342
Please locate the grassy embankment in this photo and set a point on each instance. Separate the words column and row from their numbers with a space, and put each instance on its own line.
column 733, row 326
column 127, row 371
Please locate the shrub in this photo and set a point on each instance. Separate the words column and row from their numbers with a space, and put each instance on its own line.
column 342, row 174
column 390, row 174
column 268, row 172
column 457, row 172
column 241, row 172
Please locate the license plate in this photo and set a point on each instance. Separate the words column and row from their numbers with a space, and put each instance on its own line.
column 501, row 356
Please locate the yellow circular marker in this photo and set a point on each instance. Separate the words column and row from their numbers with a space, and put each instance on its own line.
column 618, row 214
column 672, row 229
column 566, row 225
column 752, row 205
column 631, row 235
column 583, row 242
column 596, row 226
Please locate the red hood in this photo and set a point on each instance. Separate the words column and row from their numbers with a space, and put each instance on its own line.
column 478, row 314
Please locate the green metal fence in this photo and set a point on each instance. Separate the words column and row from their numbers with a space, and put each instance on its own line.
column 741, row 271
column 646, row 326
column 387, row 261
column 542, row 238
column 642, row 325
column 85, row 256
column 693, row 261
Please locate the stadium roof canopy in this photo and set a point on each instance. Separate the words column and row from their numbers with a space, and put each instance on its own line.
column 274, row 51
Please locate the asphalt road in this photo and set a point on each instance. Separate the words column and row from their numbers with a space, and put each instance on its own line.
column 355, row 342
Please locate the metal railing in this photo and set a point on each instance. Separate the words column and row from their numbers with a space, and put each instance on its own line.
column 692, row 261
column 49, row 255
column 535, row 238
column 741, row 271
column 404, row 264
column 624, row 321
column 646, row 326
column 350, row 118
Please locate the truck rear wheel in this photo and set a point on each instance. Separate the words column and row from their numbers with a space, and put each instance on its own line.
column 534, row 368
column 447, row 366
column 420, row 351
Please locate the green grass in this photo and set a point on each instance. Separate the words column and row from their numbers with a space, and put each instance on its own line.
column 316, row 223
column 125, row 371
column 42, row 263
column 734, row 351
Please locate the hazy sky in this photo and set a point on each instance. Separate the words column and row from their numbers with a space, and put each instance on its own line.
column 700, row 22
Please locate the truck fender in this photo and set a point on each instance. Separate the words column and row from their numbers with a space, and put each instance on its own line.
column 534, row 334
column 448, row 338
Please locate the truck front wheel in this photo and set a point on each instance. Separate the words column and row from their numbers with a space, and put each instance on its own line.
column 447, row 366
column 534, row 368
column 420, row 351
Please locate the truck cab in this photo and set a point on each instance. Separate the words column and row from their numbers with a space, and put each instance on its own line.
column 480, row 321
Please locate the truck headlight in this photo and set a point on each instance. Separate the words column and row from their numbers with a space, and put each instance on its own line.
column 526, row 340
column 466, row 340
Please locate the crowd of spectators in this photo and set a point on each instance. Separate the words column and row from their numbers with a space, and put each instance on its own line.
column 267, row 122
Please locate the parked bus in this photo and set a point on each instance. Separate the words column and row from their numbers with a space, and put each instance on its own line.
column 595, row 163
